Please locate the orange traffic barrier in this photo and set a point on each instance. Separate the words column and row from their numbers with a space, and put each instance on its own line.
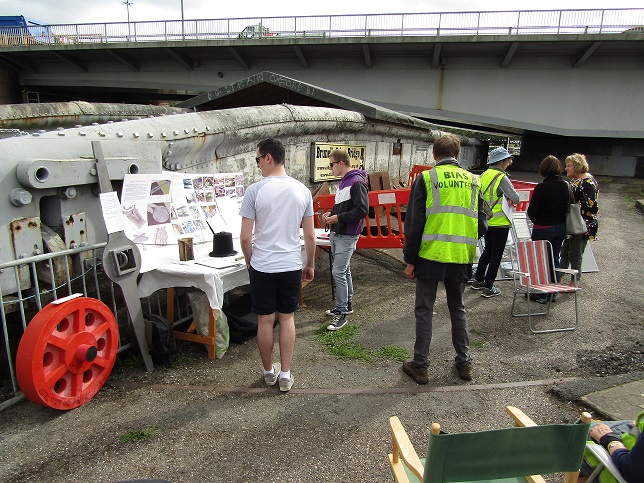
column 415, row 171
column 385, row 229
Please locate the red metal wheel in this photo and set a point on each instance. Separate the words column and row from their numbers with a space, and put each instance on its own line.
column 67, row 353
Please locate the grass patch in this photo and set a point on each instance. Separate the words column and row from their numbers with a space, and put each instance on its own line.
column 629, row 199
column 342, row 344
column 392, row 353
column 138, row 434
column 476, row 343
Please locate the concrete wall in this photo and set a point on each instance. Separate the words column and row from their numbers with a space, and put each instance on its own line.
column 611, row 157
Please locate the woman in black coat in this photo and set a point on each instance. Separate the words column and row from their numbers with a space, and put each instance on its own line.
column 548, row 207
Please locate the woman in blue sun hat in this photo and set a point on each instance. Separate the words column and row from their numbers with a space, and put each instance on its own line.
column 495, row 184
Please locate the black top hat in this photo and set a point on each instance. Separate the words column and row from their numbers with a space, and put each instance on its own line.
column 222, row 245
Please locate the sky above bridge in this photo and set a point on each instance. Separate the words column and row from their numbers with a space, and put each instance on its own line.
column 99, row 11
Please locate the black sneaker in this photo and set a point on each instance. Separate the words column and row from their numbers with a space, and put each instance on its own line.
column 490, row 292
column 476, row 285
column 335, row 311
column 339, row 321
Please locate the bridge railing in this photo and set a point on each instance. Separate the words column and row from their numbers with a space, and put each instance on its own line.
column 554, row 22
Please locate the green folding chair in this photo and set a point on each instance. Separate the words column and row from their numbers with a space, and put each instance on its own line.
column 516, row 454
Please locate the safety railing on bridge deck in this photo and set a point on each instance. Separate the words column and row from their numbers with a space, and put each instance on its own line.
column 554, row 22
column 42, row 279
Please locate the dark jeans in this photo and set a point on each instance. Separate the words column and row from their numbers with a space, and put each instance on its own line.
column 425, row 298
column 490, row 259
column 555, row 235
column 572, row 252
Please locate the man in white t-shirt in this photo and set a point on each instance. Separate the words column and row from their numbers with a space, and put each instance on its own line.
column 276, row 207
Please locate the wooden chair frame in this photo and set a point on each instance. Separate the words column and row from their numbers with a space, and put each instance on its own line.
column 403, row 453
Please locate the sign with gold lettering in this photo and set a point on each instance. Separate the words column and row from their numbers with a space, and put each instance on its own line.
column 320, row 170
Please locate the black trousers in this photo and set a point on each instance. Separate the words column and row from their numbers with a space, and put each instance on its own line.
column 490, row 260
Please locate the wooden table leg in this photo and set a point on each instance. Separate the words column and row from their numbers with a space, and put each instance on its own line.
column 190, row 336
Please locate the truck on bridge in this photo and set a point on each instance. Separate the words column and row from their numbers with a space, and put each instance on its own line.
column 21, row 30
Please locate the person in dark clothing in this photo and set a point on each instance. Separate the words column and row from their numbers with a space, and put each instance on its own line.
column 585, row 191
column 495, row 184
column 345, row 224
column 444, row 220
column 630, row 463
column 547, row 210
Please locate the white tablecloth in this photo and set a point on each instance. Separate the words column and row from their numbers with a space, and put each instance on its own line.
column 214, row 282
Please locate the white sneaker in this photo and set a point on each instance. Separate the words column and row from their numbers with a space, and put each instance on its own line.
column 286, row 384
column 271, row 379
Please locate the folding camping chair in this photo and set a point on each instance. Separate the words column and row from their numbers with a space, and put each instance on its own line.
column 512, row 454
column 605, row 464
column 533, row 277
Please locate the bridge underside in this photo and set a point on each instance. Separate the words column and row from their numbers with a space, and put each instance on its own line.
column 570, row 86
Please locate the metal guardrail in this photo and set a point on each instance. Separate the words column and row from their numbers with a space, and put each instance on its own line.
column 43, row 278
column 48, row 277
column 541, row 22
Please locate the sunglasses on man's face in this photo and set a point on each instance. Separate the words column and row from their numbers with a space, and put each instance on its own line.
column 258, row 158
column 332, row 163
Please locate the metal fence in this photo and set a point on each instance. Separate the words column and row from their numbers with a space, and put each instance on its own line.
column 554, row 22
column 42, row 279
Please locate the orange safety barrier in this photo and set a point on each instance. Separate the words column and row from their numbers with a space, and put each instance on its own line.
column 415, row 171
column 385, row 229
column 525, row 189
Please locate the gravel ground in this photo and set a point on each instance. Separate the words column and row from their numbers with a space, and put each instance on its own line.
column 215, row 421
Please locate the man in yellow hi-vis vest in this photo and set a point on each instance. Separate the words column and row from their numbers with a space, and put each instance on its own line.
column 444, row 220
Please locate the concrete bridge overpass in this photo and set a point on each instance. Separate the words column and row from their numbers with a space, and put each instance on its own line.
column 575, row 87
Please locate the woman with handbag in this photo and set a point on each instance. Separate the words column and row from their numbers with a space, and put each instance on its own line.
column 585, row 191
column 547, row 210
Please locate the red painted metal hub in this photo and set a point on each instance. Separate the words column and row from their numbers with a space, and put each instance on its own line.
column 67, row 353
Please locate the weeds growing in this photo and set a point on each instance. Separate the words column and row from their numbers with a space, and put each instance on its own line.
column 342, row 344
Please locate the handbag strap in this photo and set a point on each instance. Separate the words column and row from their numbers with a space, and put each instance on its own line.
column 571, row 195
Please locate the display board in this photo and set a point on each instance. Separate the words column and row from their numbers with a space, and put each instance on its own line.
column 320, row 170
column 160, row 208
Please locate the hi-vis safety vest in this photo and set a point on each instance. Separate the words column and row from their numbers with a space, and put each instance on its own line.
column 490, row 181
column 451, row 229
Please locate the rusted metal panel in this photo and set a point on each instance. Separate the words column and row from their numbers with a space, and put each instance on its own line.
column 26, row 239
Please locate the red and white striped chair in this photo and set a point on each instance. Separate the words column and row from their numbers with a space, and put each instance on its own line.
column 533, row 277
